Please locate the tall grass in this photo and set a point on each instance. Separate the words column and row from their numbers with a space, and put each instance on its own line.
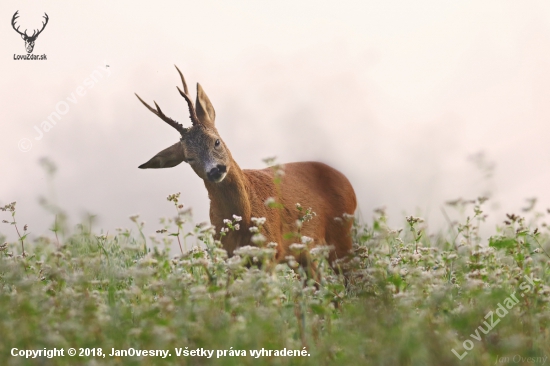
column 410, row 297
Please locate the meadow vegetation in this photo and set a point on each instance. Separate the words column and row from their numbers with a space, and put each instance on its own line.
column 411, row 297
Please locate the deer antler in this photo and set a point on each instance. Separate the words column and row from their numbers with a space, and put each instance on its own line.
column 13, row 19
column 185, row 95
column 34, row 33
column 162, row 116
column 43, row 26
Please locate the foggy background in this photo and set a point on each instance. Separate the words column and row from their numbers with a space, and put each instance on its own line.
column 397, row 95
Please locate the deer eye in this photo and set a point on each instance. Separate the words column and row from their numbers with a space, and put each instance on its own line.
column 217, row 143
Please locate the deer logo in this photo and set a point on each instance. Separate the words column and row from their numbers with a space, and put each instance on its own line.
column 29, row 40
column 245, row 192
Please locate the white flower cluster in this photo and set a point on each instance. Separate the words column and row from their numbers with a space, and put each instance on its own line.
column 297, row 247
column 258, row 238
column 258, row 221
column 321, row 251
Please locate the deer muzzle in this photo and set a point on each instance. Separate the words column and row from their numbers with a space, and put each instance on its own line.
column 217, row 174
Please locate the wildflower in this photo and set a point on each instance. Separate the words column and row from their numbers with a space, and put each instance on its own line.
column 247, row 250
column 291, row 261
column 219, row 252
column 258, row 221
column 321, row 251
column 237, row 218
column 253, row 229
column 272, row 245
column 413, row 220
column 9, row 207
column 237, row 226
column 173, row 197
column 234, row 262
column 308, row 215
column 347, row 216
column 307, row 240
column 279, row 172
column 270, row 201
column 226, row 221
column 297, row 247
column 258, row 238
column 270, row 160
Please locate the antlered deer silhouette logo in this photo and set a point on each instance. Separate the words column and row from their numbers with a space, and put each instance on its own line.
column 29, row 40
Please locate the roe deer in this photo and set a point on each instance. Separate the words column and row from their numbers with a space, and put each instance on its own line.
column 233, row 191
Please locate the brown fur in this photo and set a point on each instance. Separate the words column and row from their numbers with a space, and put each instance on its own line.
column 244, row 192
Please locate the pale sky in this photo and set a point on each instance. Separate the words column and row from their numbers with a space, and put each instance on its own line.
column 395, row 94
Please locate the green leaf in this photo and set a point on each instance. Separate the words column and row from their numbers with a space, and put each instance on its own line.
column 502, row 243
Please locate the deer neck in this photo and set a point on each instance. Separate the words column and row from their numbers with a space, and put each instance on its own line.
column 229, row 197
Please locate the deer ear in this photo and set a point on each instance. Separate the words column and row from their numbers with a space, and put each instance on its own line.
column 205, row 110
column 167, row 158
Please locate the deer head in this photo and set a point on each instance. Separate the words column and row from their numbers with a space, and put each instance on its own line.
column 29, row 40
column 200, row 145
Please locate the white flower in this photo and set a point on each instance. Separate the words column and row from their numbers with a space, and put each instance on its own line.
column 258, row 221
column 234, row 262
column 258, row 238
column 321, row 251
column 237, row 226
column 220, row 252
column 272, row 245
column 297, row 247
column 307, row 240
column 253, row 229
column 237, row 218
column 226, row 221
column 270, row 201
column 347, row 216
column 247, row 250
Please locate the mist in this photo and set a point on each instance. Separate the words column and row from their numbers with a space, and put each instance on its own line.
column 416, row 103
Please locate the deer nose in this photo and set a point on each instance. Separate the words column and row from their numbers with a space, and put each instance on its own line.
column 216, row 173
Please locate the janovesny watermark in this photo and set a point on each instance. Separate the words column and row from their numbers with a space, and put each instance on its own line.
column 163, row 353
column 521, row 359
column 501, row 311
column 29, row 40
column 64, row 106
